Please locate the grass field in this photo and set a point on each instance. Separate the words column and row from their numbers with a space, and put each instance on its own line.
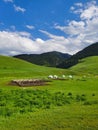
column 87, row 65
column 70, row 104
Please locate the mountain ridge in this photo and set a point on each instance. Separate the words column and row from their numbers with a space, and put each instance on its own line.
column 50, row 59
column 91, row 50
column 58, row 59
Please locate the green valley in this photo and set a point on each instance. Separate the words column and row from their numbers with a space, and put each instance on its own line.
column 68, row 104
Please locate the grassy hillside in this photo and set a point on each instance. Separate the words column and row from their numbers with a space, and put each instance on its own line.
column 87, row 65
column 91, row 50
column 12, row 67
column 70, row 104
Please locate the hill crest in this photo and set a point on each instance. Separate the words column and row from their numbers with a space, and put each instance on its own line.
column 50, row 59
column 91, row 50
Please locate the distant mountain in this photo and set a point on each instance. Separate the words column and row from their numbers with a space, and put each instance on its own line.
column 51, row 59
column 91, row 50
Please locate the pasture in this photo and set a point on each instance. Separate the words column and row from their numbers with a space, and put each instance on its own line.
column 70, row 104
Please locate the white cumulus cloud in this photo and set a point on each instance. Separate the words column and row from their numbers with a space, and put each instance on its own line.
column 84, row 31
column 78, row 34
column 89, row 13
column 79, row 4
column 19, row 9
column 13, row 43
column 30, row 27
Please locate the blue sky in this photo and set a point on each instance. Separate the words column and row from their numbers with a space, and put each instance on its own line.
column 37, row 26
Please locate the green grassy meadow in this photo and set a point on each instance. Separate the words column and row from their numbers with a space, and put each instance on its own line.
column 87, row 65
column 70, row 104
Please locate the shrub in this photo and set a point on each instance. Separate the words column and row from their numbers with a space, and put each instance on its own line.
column 95, row 102
column 3, row 103
column 93, row 94
column 83, row 95
column 4, row 111
column 87, row 103
column 59, row 104
column 47, row 106
column 80, row 98
column 21, row 103
column 69, row 94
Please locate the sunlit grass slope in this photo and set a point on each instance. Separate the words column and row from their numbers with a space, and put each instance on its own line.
column 87, row 65
column 12, row 67
column 70, row 104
